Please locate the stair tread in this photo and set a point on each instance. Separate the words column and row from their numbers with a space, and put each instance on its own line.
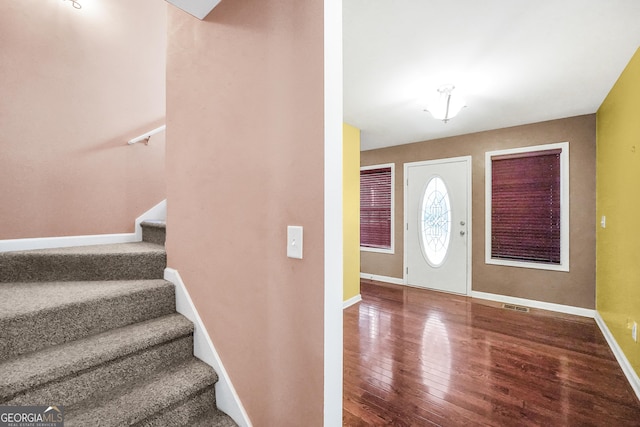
column 108, row 249
column 214, row 418
column 66, row 359
column 41, row 314
column 95, row 328
column 22, row 298
column 118, row 261
column 138, row 401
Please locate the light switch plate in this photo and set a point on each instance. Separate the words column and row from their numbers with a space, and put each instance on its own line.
column 294, row 241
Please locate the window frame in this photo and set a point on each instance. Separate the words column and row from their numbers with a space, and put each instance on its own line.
column 391, row 250
column 564, row 208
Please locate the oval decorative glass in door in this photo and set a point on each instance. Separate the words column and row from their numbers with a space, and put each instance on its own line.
column 435, row 221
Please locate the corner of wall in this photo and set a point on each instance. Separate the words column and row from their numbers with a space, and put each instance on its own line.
column 618, row 353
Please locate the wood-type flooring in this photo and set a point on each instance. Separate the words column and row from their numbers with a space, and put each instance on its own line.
column 414, row 357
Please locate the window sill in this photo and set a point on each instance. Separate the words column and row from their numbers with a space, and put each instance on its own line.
column 533, row 265
column 377, row 250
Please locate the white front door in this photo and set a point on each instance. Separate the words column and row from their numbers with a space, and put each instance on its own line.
column 437, row 224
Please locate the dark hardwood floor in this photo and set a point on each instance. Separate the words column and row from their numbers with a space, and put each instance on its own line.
column 414, row 357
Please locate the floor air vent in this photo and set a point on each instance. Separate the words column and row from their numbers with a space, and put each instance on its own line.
column 515, row 308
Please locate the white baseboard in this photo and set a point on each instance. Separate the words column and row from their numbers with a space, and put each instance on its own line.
column 560, row 308
column 624, row 363
column 157, row 212
column 226, row 397
column 65, row 241
column 351, row 301
column 386, row 279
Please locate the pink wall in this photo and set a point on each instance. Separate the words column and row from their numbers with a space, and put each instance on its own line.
column 75, row 85
column 245, row 145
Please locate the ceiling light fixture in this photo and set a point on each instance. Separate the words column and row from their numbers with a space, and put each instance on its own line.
column 75, row 4
column 445, row 106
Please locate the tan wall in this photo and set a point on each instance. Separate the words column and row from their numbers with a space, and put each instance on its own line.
column 75, row 85
column 576, row 288
column 245, row 144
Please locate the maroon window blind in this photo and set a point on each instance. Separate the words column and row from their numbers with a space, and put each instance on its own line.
column 525, row 206
column 375, row 208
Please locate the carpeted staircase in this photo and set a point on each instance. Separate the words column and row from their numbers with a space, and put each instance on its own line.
column 94, row 329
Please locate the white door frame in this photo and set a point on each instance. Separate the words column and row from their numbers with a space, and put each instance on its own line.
column 469, row 163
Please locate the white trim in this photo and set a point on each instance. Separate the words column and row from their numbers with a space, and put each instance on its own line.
column 392, row 250
column 385, row 279
column 469, row 224
column 351, row 301
column 560, row 308
column 157, row 212
column 227, row 399
column 379, row 250
column 379, row 166
column 624, row 363
column 469, row 161
column 333, row 236
column 564, row 208
column 65, row 241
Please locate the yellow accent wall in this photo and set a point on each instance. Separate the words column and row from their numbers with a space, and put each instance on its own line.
column 351, row 208
column 618, row 198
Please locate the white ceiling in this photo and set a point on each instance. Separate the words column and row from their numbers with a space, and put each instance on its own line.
column 515, row 62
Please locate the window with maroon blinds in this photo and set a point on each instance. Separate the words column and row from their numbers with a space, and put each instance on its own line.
column 525, row 206
column 375, row 208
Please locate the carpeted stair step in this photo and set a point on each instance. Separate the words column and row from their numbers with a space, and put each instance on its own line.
column 41, row 314
column 173, row 397
column 185, row 412
column 214, row 418
column 74, row 371
column 154, row 231
column 121, row 261
column 94, row 329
